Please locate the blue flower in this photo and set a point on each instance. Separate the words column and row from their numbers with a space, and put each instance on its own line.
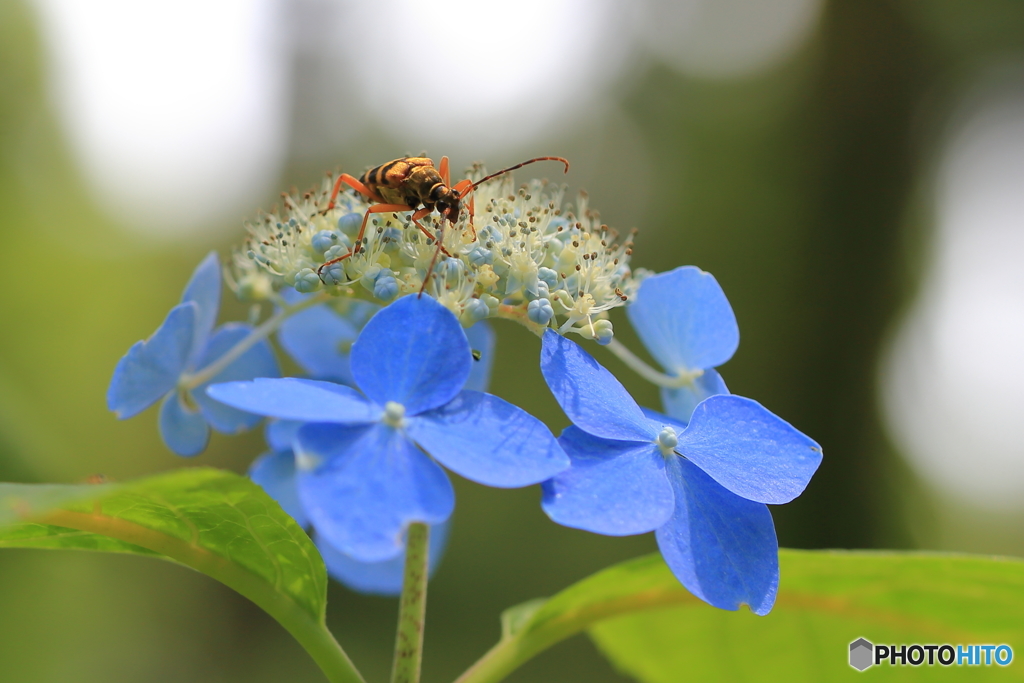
column 319, row 339
column 687, row 324
column 701, row 486
column 275, row 473
column 186, row 342
column 362, row 474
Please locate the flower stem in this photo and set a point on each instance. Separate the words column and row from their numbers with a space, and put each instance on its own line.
column 649, row 373
column 268, row 327
column 413, row 607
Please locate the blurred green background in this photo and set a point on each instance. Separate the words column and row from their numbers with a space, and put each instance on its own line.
column 802, row 187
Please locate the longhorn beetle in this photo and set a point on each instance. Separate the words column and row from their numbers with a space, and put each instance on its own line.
column 405, row 184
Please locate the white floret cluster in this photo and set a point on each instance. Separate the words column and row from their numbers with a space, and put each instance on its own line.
column 514, row 253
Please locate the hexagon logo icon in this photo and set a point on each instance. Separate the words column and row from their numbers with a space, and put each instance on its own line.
column 861, row 652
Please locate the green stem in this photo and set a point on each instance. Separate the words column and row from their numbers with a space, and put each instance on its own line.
column 649, row 373
column 311, row 633
column 512, row 651
column 413, row 607
column 268, row 327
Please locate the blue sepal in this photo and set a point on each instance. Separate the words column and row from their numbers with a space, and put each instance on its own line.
column 685, row 320
column 183, row 430
column 481, row 338
column 361, row 486
column 151, row 368
column 748, row 450
column 616, row 488
column 720, row 546
column 204, row 289
column 301, row 400
column 489, row 441
column 590, row 395
column 413, row 352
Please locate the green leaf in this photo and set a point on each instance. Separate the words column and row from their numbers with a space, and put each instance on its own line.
column 826, row 601
column 213, row 521
column 653, row 629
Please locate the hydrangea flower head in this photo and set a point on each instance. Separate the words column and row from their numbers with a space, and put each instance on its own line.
column 369, row 449
column 702, row 485
column 163, row 366
column 687, row 324
column 525, row 255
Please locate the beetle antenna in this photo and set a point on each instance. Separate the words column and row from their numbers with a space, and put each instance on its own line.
column 512, row 168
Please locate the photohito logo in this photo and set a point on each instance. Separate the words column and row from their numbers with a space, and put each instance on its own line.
column 863, row 653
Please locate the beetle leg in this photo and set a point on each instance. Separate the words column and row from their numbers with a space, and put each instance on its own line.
column 346, row 179
column 376, row 208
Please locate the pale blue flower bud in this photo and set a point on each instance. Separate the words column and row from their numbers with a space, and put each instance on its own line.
column 479, row 256
column 603, row 331
column 492, row 302
column 386, row 288
column 369, row 277
column 334, row 273
column 549, row 276
column 306, row 281
column 540, row 311
column 337, row 250
column 349, row 223
column 476, row 310
column 451, row 268
column 324, row 240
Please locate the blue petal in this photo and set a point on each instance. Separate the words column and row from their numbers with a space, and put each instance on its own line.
column 489, row 441
column 183, row 430
column 684, row 320
column 318, row 339
column 413, row 352
column 204, row 289
column 366, row 484
column 748, row 450
column 720, row 546
column 481, row 338
column 680, row 402
column 258, row 361
column 275, row 473
column 379, row 578
column 303, row 400
column 151, row 368
column 280, row 434
column 615, row 488
column 590, row 395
